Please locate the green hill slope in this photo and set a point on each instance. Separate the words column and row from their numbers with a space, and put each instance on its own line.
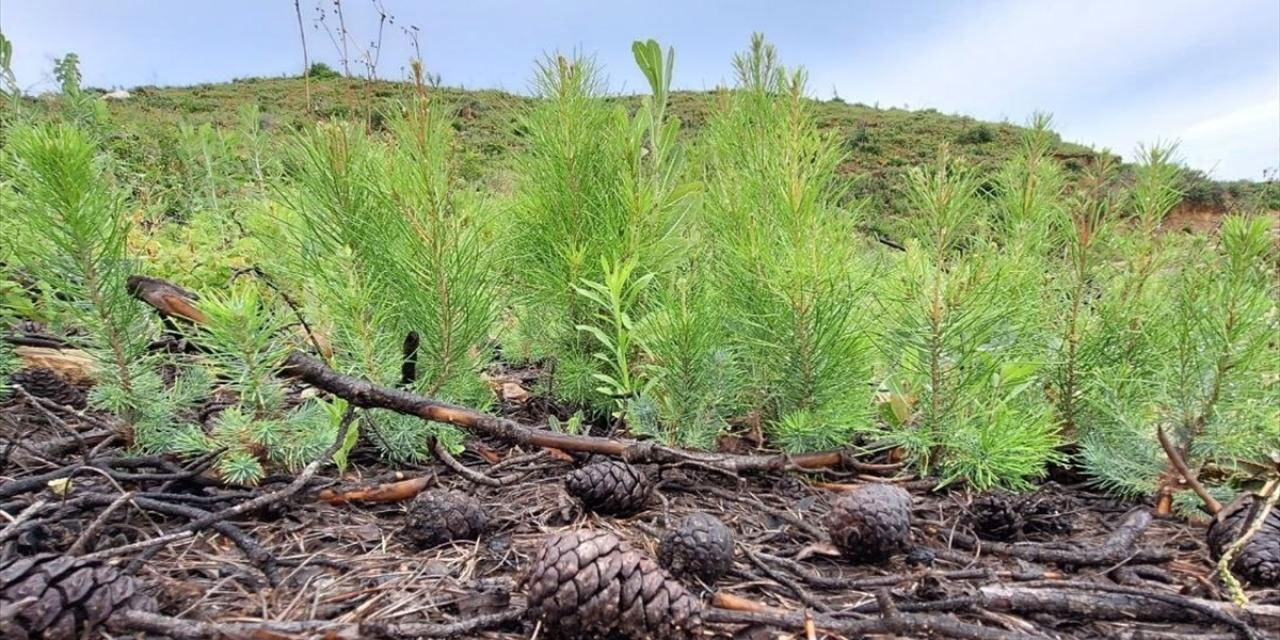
column 881, row 142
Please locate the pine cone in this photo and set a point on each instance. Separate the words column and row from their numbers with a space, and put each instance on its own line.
column 995, row 516
column 442, row 515
column 590, row 584
column 1048, row 512
column 700, row 546
column 45, row 383
column 871, row 523
column 1259, row 560
column 73, row 597
column 611, row 487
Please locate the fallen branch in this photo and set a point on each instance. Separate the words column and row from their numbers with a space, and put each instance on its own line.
column 1096, row 601
column 188, row 629
column 907, row 625
column 442, row 453
column 362, row 393
column 389, row 492
column 1117, row 549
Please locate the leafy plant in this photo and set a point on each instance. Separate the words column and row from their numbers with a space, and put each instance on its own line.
column 616, row 297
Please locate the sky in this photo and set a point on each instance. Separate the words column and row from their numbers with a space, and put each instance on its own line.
column 1114, row 74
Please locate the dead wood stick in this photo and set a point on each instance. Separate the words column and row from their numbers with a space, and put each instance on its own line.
column 800, row 592
column 187, row 629
column 816, row 579
column 26, row 514
column 442, row 452
column 308, row 472
column 1118, row 547
column 387, row 492
column 912, row 625
column 1096, row 601
column 362, row 393
column 92, row 530
column 1180, row 465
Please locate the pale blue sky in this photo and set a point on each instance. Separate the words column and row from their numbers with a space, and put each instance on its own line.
column 1114, row 73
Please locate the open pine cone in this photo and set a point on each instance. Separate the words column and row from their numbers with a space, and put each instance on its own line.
column 72, row 597
column 44, row 383
column 1258, row 561
column 610, row 487
column 700, row 546
column 442, row 515
column 998, row 515
column 590, row 584
column 871, row 523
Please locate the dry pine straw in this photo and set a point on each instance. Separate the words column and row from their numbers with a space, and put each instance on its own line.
column 352, row 564
column 348, row 563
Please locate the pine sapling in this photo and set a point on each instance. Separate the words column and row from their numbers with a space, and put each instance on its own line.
column 64, row 199
column 964, row 392
column 595, row 186
column 793, row 282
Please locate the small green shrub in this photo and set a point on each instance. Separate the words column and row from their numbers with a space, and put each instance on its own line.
column 385, row 242
column 793, row 282
column 79, row 228
column 977, row 134
column 321, row 71
column 596, row 187
column 964, row 390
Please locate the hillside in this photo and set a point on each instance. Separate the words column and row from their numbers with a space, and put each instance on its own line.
column 881, row 143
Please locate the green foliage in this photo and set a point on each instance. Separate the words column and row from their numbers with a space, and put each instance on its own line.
column 9, row 362
column 793, row 281
column 1224, row 395
column 964, row 340
column 981, row 133
column 82, row 108
column 322, row 71
column 63, row 197
column 596, row 187
column 6, row 65
column 615, row 298
column 385, row 242
column 693, row 377
column 242, row 337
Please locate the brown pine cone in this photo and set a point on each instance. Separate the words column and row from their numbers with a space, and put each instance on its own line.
column 45, row 383
column 610, row 487
column 871, row 523
column 1259, row 560
column 700, row 546
column 72, row 597
column 590, row 584
column 442, row 515
column 995, row 516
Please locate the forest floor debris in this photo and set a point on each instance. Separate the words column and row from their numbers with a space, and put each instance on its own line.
column 300, row 565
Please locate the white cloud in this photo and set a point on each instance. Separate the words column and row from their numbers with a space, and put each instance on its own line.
column 1113, row 74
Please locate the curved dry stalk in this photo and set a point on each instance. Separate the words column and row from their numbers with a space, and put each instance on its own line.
column 1180, row 465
